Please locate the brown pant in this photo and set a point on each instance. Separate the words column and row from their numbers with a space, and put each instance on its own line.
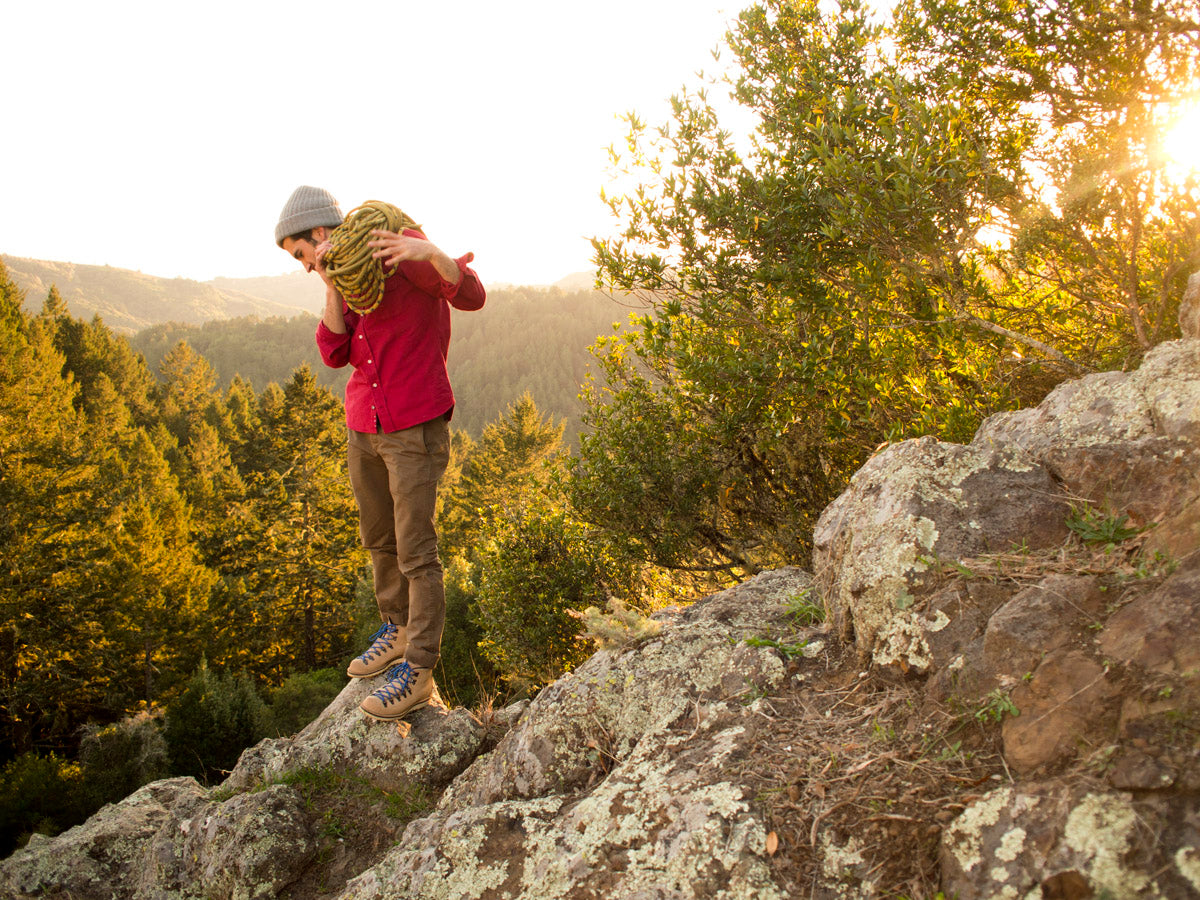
column 395, row 478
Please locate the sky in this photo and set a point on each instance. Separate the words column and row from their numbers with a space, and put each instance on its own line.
column 166, row 137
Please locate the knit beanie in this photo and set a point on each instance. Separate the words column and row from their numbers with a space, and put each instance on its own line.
column 307, row 208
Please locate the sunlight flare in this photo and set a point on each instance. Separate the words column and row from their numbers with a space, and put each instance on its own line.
column 1181, row 144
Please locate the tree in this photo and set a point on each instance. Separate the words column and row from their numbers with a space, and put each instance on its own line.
column 809, row 296
column 1101, row 248
column 309, row 558
column 514, row 456
column 489, row 482
column 41, row 476
column 540, row 564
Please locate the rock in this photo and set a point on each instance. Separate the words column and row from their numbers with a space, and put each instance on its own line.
column 249, row 846
column 1067, row 703
column 1160, row 631
column 1162, row 398
column 1147, row 479
column 615, row 700
column 1038, row 620
column 173, row 839
column 617, row 781
column 1072, row 840
column 432, row 747
column 103, row 857
column 916, row 503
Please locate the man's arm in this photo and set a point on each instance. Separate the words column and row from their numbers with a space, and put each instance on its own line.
column 392, row 248
column 333, row 316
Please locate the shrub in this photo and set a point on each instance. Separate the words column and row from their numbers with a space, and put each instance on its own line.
column 465, row 675
column 215, row 718
column 541, row 565
column 118, row 759
column 302, row 697
column 41, row 794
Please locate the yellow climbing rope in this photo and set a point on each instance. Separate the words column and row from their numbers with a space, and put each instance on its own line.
column 357, row 275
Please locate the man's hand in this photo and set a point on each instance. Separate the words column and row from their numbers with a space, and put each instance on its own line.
column 392, row 248
column 323, row 248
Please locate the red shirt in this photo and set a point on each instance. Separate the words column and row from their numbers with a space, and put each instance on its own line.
column 398, row 350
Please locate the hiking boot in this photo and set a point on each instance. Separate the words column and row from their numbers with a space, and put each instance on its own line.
column 407, row 688
column 387, row 646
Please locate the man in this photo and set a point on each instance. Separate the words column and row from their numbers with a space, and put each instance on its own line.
column 398, row 408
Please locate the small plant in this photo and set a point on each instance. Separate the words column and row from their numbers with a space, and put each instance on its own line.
column 1102, row 528
column 996, row 706
column 1158, row 563
column 805, row 608
column 949, row 752
column 332, row 825
column 945, row 566
column 786, row 650
column 619, row 628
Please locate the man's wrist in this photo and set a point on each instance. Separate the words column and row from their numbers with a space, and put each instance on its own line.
column 446, row 267
column 334, row 320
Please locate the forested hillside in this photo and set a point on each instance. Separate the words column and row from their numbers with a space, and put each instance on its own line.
column 183, row 555
column 524, row 340
column 130, row 301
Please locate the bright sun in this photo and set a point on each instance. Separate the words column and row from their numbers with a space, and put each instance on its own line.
column 1182, row 142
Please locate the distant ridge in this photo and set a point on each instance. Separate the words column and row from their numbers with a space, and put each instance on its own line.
column 130, row 301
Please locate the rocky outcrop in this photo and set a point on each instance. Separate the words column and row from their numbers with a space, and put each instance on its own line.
column 1004, row 701
column 1049, row 572
column 617, row 781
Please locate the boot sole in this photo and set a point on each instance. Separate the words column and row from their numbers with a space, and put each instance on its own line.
column 383, row 668
column 414, row 707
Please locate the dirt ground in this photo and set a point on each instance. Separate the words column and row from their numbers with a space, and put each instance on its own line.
column 848, row 754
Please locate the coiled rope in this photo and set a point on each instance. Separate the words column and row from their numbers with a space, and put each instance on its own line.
column 357, row 275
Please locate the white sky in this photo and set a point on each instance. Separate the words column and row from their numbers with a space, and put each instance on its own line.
column 165, row 137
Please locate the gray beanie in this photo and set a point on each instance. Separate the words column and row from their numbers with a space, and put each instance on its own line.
column 307, row 208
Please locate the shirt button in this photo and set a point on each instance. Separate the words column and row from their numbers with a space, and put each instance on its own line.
column 361, row 336
column 370, row 362
column 375, row 385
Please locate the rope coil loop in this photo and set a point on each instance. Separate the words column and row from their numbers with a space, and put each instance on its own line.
column 357, row 275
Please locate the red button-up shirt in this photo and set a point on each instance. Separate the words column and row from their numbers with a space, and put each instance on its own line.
column 398, row 350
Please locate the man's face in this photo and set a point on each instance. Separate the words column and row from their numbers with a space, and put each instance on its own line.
column 303, row 250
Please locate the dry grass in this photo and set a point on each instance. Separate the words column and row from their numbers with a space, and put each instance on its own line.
column 845, row 754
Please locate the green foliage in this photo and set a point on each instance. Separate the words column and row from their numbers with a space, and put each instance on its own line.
column 118, row 759
column 489, row 360
column 465, row 675
column 39, row 794
column 1105, row 231
column 211, row 722
column 995, row 707
column 1094, row 526
column 934, row 218
column 806, row 608
column 539, row 564
column 792, row 326
column 302, row 697
column 786, row 649
column 511, row 462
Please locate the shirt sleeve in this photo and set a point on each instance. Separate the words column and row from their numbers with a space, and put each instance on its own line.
column 334, row 347
column 467, row 293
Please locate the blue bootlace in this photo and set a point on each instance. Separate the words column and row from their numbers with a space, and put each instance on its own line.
column 382, row 639
column 399, row 679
